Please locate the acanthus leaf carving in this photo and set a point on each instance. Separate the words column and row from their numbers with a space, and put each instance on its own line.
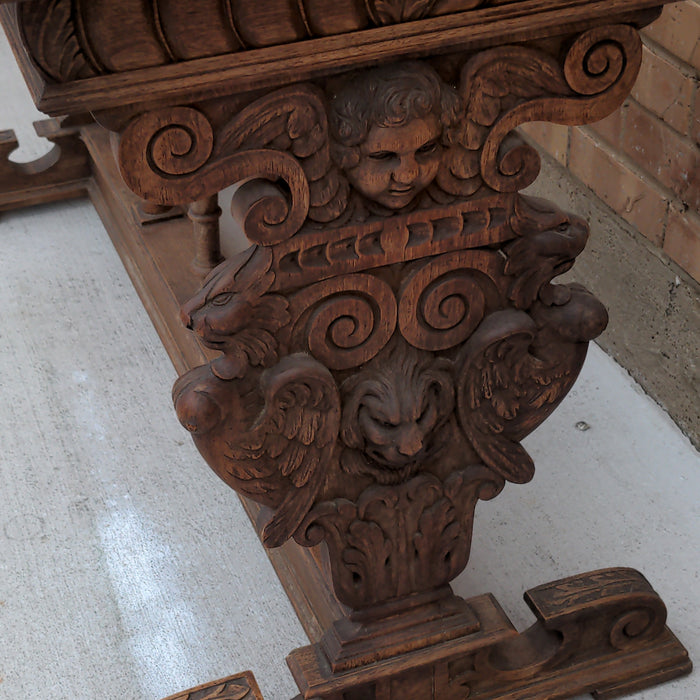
column 376, row 555
column 51, row 33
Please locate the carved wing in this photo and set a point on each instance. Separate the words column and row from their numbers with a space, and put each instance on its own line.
column 176, row 155
column 293, row 440
column 294, row 120
column 494, row 388
column 505, row 87
column 495, row 84
column 516, row 368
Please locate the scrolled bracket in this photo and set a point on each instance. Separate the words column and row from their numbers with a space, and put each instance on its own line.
column 598, row 73
column 177, row 155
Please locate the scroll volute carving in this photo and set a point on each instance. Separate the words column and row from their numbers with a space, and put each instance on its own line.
column 364, row 157
column 395, row 332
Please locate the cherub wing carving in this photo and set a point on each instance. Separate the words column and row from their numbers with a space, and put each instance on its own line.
column 294, row 120
column 274, row 441
column 494, row 86
column 514, row 371
column 177, row 155
column 505, row 87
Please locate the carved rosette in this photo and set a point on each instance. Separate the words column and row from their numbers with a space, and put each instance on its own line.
column 395, row 330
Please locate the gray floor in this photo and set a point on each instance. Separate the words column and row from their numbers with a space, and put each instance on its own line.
column 128, row 571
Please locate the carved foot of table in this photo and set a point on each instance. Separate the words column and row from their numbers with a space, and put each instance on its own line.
column 601, row 632
column 366, row 370
column 239, row 687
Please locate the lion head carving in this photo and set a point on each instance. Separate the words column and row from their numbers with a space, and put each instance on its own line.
column 393, row 410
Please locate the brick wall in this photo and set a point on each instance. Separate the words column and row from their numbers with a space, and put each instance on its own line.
column 644, row 160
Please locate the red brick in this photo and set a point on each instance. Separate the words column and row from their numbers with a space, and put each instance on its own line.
column 682, row 242
column 611, row 127
column 639, row 202
column 666, row 90
column 678, row 31
column 660, row 151
column 554, row 138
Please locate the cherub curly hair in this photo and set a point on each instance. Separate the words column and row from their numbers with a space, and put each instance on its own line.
column 388, row 96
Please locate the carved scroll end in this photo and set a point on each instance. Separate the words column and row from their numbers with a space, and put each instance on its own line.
column 241, row 686
column 507, row 87
column 173, row 156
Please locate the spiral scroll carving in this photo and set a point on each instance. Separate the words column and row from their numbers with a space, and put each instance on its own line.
column 445, row 300
column 638, row 625
column 181, row 141
column 169, row 156
column 598, row 73
column 344, row 322
column 599, row 58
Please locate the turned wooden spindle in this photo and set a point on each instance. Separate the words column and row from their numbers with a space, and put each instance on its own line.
column 205, row 214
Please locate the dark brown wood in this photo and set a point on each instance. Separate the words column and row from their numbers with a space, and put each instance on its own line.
column 158, row 259
column 270, row 67
column 205, row 215
column 592, row 634
column 365, row 372
column 242, row 686
column 62, row 173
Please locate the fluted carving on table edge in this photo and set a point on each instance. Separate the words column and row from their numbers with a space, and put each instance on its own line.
column 91, row 34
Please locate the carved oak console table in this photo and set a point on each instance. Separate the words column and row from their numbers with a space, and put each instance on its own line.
column 364, row 373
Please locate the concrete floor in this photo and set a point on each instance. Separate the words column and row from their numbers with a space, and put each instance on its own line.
column 128, row 571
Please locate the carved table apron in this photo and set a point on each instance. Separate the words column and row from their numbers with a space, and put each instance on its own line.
column 364, row 373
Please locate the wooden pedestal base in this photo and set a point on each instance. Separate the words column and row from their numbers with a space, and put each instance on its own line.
column 602, row 632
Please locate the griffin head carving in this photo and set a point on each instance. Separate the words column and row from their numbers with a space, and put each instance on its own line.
column 392, row 412
column 549, row 242
column 234, row 314
column 274, row 440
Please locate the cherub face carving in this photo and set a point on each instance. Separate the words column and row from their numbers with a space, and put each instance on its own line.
column 394, row 408
column 387, row 129
column 398, row 162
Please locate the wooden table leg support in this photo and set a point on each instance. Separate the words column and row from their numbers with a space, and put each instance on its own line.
column 602, row 633
column 364, row 373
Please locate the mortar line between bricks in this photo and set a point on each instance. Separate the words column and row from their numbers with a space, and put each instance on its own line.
column 686, row 68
